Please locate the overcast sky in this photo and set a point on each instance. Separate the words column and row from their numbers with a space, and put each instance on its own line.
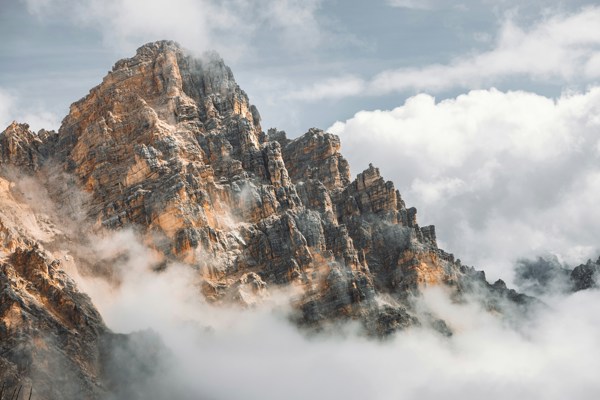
column 488, row 117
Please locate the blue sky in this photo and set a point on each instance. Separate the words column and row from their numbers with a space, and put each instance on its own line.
column 484, row 113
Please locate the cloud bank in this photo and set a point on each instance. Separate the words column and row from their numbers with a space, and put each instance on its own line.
column 502, row 175
column 562, row 48
column 230, row 353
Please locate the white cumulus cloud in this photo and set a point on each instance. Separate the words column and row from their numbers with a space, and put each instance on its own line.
column 502, row 175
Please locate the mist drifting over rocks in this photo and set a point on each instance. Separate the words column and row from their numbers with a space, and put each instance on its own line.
column 162, row 245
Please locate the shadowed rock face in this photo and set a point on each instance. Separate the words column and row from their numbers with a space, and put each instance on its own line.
column 170, row 145
column 47, row 326
column 23, row 148
column 49, row 331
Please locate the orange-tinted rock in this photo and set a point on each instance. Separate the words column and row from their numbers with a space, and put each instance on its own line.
column 315, row 156
column 47, row 325
column 170, row 145
column 22, row 148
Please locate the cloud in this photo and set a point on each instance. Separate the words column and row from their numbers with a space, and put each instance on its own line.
column 256, row 353
column 563, row 48
column 511, row 6
column 228, row 26
column 342, row 86
column 503, row 175
column 295, row 19
column 5, row 104
column 13, row 109
column 224, row 352
column 411, row 4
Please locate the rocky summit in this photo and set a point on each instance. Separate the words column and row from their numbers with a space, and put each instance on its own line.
column 169, row 145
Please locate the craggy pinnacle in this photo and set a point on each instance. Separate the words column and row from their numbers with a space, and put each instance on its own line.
column 170, row 145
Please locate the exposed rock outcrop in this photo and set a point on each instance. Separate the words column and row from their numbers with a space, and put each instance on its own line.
column 49, row 331
column 170, row 145
column 22, row 148
column 46, row 326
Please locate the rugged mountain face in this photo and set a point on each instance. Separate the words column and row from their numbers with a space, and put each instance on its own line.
column 46, row 324
column 52, row 339
column 170, row 145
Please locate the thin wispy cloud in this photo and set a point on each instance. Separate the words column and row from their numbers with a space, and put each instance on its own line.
column 228, row 26
column 411, row 4
column 563, row 48
column 346, row 85
column 12, row 109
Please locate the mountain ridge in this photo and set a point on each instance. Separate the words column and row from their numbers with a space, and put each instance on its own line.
column 170, row 145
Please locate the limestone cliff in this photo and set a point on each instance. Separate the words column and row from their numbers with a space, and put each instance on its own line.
column 50, row 333
column 170, row 145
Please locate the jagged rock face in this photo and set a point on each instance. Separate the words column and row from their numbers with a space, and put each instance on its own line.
column 49, row 331
column 170, row 143
column 315, row 156
column 46, row 326
column 52, row 338
column 22, row 148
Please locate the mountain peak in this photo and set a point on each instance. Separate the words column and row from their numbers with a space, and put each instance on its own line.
column 169, row 145
column 150, row 51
